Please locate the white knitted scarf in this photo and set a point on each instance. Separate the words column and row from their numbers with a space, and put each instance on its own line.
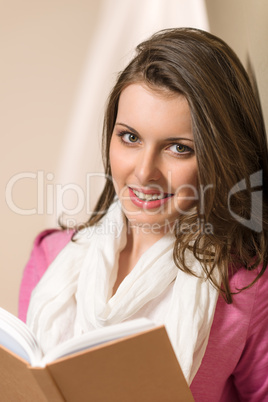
column 75, row 294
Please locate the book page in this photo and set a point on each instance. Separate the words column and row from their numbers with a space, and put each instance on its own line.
column 17, row 337
column 12, row 345
column 97, row 337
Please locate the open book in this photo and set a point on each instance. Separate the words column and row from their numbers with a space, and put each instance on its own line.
column 130, row 361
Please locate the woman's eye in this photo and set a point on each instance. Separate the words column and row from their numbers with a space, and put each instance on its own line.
column 129, row 137
column 180, row 149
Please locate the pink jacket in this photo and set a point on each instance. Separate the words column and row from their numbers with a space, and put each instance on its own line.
column 235, row 365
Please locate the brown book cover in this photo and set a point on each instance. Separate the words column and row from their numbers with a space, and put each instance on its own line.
column 140, row 367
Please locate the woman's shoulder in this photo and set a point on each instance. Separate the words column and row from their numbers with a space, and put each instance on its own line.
column 50, row 242
column 249, row 292
column 249, row 295
column 237, row 339
column 250, row 374
column 47, row 245
column 254, row 280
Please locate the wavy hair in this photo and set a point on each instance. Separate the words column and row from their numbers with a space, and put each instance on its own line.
column 230, row 145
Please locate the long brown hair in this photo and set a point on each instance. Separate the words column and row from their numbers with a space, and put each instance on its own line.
column 230, row 145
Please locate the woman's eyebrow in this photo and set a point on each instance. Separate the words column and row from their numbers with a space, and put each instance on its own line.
column 169, row 139
column 128, row 127
column 173, row 139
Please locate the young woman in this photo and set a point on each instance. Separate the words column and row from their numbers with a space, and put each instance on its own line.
column 179, row 234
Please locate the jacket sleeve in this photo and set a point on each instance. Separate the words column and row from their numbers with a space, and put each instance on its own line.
column 251, row 374
column 46, row 247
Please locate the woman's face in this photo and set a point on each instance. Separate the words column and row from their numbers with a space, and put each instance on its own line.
column 152, row 156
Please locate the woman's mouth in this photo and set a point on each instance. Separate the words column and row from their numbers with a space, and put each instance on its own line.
column 148, row 199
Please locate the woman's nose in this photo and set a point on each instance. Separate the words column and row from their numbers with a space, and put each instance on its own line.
column 147, row 167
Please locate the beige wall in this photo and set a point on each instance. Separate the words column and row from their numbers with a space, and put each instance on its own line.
column 43, row 46
column 43, row 51
column 243, row 25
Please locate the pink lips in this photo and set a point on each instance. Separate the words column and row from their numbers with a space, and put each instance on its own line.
column 148, row 204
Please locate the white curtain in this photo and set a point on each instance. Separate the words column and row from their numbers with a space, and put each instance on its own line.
column 122, row 25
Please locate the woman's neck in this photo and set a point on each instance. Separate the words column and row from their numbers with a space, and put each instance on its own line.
column 140, row 239
column 138, row 242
